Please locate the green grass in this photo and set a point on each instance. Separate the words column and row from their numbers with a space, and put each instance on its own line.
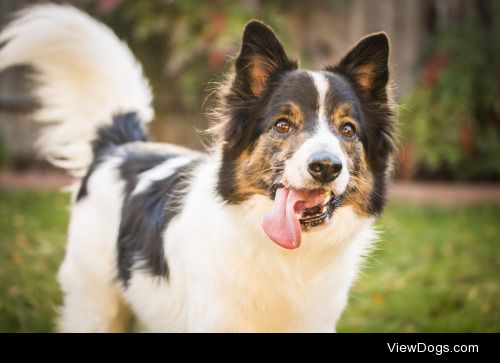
column 32, row 238
column 436, row 269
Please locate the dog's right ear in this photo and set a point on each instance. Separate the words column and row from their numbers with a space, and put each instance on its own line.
column 261, row 57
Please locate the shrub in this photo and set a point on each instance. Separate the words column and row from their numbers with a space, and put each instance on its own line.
column 451, row 121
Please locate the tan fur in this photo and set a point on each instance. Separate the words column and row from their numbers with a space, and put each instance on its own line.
column 291, row 111
column 341, row 112
column 258, row 75
column 365, row 76
column 360, row 185
column 256, row 169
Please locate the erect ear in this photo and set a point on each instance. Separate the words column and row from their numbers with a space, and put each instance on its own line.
column 261, row 57
column 366, row 66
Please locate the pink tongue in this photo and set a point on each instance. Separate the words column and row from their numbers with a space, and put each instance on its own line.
column 282, row 224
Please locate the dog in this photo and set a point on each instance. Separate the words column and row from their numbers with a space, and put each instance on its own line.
column 264, row 232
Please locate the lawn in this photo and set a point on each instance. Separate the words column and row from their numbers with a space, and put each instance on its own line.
column 435, row 269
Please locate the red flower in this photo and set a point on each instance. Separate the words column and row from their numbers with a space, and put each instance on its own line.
column 433, row 68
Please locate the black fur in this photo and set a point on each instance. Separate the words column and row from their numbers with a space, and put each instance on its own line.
column 244, row 109
column 368, row 59
column 124, row 129
column 145, row 216
column 379, row 125
column 137, row 162
column 260, row 50
column 259, row 42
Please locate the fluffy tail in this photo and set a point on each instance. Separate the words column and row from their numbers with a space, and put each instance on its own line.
column 84, row 75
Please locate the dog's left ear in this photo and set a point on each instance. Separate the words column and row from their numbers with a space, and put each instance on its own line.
column 366, row 66
column 261, row 57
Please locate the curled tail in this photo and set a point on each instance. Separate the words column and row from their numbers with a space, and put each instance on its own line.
column 84, row 76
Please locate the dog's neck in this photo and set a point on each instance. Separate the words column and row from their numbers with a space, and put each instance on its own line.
column 346, row 234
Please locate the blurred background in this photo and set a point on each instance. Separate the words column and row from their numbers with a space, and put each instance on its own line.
column 438, row 263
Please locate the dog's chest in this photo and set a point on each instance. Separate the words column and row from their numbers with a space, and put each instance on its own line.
column 268, row 301
column 240, row 296
column 233, row 289
column 226, row 275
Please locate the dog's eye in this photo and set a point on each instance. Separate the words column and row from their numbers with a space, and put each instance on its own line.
column 348, row 131
column 283, row 126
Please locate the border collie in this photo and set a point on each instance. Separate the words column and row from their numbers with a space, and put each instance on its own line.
column 265, row 232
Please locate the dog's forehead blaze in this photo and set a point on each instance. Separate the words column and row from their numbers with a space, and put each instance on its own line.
column 298, row 97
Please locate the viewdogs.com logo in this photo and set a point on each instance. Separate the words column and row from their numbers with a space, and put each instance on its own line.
column 437, row 349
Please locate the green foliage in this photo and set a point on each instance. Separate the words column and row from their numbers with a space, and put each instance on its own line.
column 435, row 269
column 5, row 160
column 185, row 44
column 452, row 119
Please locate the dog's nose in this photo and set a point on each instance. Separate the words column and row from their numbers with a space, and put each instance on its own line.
column 324, row 167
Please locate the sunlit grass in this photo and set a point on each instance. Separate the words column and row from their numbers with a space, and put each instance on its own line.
column 32, row 239
column 436, row 269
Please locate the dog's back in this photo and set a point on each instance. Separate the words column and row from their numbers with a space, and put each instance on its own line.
column 95, row 103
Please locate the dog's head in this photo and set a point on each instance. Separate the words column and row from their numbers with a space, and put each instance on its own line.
column 310, row 141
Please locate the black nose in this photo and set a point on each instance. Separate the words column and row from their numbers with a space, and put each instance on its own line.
column 324, row 167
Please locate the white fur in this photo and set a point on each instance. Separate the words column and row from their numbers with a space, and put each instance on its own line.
column 162, row 171
column 225, row 274
column 296, row 168
column 85, row 75
column 92, row 298
column 321, row 84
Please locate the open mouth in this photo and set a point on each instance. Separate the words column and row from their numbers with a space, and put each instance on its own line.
column 295, row 211
column 319, row 214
